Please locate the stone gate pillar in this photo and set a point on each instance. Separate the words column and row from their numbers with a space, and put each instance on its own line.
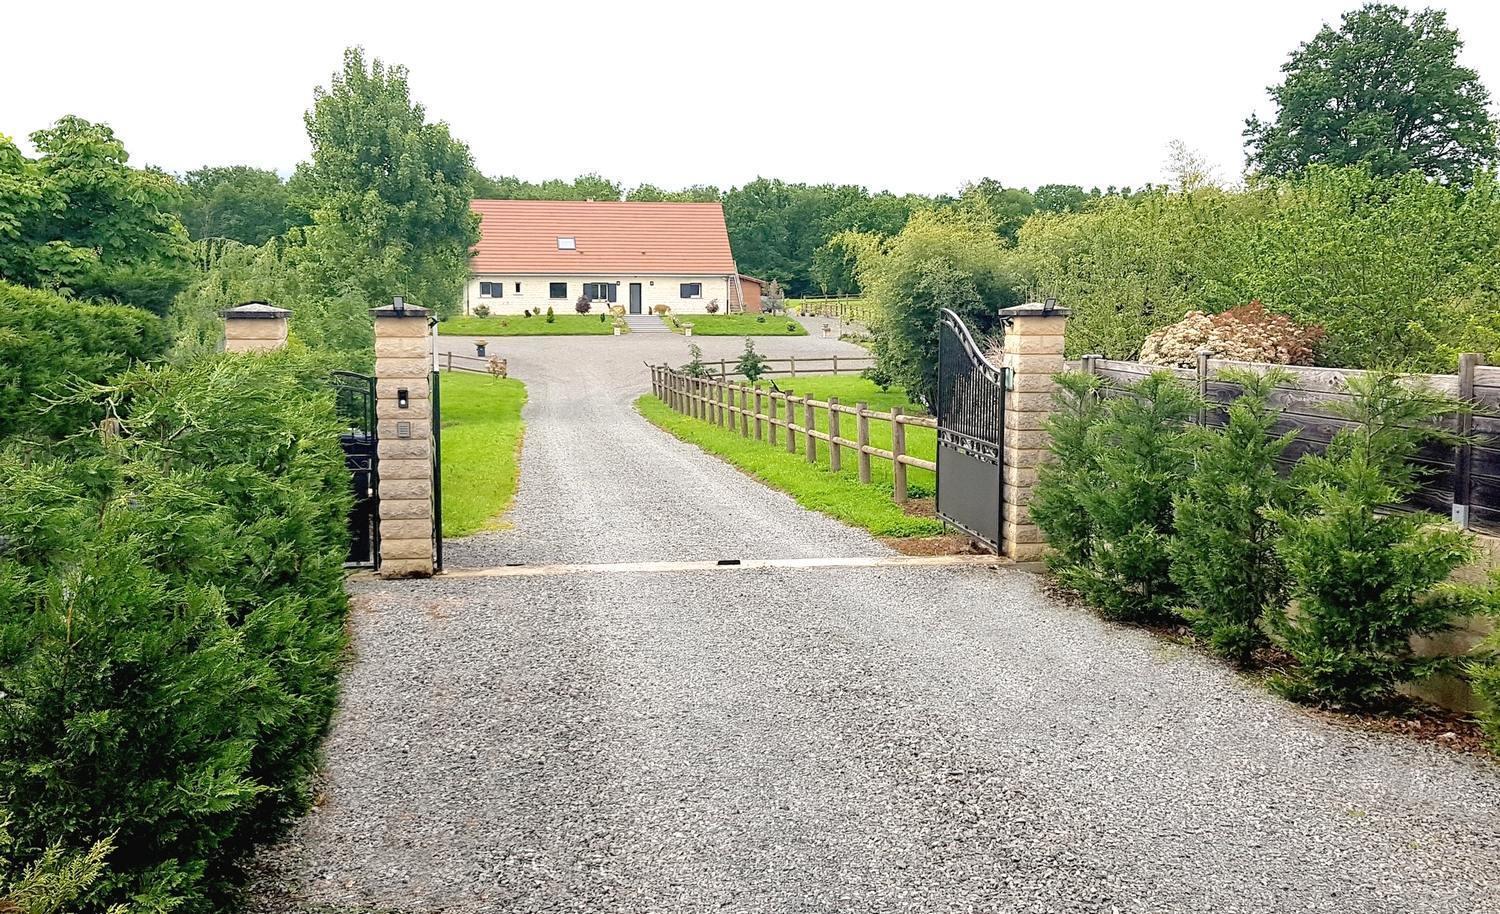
column 403, row 414
column 1033, row 351
column 255, row 327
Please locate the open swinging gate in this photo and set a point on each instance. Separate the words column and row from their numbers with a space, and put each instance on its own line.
column 971, row 432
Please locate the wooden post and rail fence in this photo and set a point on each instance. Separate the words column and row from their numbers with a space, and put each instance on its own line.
column 771, row 415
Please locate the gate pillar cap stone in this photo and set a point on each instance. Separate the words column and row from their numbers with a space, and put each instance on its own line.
column 1034, row 309
column 254, row 310
column 404, row 311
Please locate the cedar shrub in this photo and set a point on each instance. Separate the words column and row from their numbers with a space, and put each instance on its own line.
column 1365, row 577
column 1223, row 553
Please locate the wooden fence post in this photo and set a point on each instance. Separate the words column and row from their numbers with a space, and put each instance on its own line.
column 835, row 364
column 760, row 431
column 793, row 361
column 1202, row 366
column 1463, row 455
column 791, row 418
column 724, row 369
column 450, row 360
column 744, row 411
column 810, row 419
column 771, row 415
column 898, row 448
column 1091, row 364
column 835, row 456
column 718, row 389
column 862, row 435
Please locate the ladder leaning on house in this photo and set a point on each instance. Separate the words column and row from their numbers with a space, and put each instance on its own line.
column 736, row 303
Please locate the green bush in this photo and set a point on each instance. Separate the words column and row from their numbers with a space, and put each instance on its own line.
column 551, row 316
column 171, row 624
column 939, row 260
column 1142, row 451
column 1057, row 501
column 1365, row 579
column 1223, row 552
column 49, row 344
column 1399, row 271
column 52, row 883
column 752, row 365
column 1484, row 670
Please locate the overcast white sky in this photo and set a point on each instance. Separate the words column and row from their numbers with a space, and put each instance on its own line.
column 907, row 97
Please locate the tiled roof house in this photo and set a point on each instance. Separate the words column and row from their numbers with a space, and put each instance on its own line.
column 533, row 254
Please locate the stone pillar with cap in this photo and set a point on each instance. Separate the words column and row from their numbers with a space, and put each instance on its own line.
column 403, row 414
column 1032, row 350
column 255, row 326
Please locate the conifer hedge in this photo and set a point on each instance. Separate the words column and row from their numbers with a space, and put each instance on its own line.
column 171, row 625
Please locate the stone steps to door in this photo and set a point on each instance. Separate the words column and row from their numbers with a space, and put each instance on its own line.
column 646, row 323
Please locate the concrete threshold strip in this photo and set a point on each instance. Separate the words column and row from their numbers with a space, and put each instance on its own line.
column 872, row 561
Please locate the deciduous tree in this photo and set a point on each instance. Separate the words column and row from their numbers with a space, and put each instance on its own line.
column 1385, row 90
column 392, row 191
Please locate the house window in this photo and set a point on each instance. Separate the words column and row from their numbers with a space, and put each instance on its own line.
column 692, row 290
column 600, row 291
column 518, row 288
column 558, row 290
column 491, row 289
column 567, row 244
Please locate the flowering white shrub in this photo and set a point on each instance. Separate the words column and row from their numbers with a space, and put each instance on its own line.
column 1248, row 333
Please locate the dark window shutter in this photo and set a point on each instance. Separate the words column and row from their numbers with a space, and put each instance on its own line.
column 614, row 292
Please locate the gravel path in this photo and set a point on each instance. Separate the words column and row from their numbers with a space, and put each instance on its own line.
column 598, row 484
column 819, row 739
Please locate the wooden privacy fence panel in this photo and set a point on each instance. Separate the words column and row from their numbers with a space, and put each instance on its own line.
column 1462, row 481
column 774, row 415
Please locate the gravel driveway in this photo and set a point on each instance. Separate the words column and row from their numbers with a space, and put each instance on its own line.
column 819, row 739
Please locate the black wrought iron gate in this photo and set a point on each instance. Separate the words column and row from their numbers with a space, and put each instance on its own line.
column 971, row 429
column 354, row 398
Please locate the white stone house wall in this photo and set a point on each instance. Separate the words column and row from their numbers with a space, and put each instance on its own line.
column 534, row 292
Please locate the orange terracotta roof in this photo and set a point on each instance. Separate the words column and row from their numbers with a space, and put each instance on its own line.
column 520, row 236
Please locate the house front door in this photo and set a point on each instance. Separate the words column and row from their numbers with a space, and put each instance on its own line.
column 635, row 298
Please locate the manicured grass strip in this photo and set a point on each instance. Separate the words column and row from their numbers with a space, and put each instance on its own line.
column 735, row 325
column 852, row 389
column 481, row 450
column 838, row 495
column 515, row 325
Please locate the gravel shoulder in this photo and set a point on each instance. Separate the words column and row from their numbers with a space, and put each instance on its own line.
column 822, row 739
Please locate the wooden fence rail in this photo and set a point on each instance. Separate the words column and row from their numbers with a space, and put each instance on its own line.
column 1462, row 481
column 822, row 364
column 766, row 415
column 452, row 361
column 841, row 307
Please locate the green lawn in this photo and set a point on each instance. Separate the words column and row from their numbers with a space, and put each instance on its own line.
column 736, row 325
column 481, row 449
column 514, row 325
column 839, row 495
column 852, row 389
